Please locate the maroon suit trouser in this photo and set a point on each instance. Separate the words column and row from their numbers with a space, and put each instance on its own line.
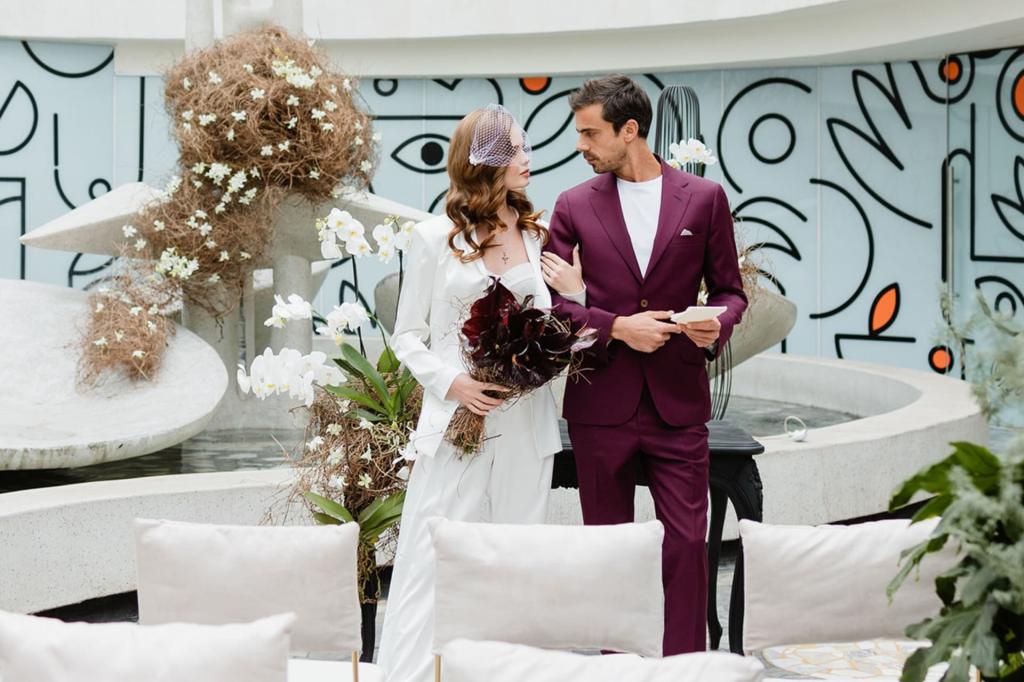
column 676, row 462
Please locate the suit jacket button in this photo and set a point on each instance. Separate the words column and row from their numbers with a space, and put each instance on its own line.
column 643, row 302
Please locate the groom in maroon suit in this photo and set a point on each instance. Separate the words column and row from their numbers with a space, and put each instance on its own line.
column 647, row 234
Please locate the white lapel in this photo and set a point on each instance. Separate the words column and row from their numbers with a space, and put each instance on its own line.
column 533, row 246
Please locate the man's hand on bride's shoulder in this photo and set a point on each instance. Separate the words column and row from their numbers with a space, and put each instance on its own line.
column 472, row 394
column 646, row 332
column 564, row 277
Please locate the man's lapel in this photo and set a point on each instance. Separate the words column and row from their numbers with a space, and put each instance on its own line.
column 605, row 200
column 674, row 201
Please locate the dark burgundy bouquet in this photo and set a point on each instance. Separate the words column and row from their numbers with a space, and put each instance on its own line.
column 515, row 345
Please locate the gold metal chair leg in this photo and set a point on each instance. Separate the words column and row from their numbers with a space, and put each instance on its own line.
column 355, row 666
column 437, row 667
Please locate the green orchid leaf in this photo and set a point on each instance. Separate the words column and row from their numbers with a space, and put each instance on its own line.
column 365, row 370
column 329, row 507
column 358, row 396
column 325, row 520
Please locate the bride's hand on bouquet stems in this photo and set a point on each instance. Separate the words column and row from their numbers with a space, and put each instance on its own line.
column 471, row 394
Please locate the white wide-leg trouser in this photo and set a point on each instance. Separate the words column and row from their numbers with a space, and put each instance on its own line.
column 506, row 483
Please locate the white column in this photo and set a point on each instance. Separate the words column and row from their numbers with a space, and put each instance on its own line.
column 221, row 334
column 198, row 24
column 292, row 275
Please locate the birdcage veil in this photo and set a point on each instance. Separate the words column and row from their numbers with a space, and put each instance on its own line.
column 493, row 138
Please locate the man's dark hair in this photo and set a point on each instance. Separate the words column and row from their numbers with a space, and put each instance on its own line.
column 621, row 98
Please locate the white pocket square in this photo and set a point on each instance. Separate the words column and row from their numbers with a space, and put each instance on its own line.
column 686, row 233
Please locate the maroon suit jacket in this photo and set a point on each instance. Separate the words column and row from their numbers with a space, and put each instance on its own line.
column 590, row 215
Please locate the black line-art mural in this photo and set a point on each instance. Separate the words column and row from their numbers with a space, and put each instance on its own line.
column 860, row 189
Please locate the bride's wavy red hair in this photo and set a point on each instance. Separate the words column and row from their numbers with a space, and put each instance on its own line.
column 477, row 193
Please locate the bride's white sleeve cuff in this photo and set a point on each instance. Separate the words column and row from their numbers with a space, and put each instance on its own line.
column 580, row 297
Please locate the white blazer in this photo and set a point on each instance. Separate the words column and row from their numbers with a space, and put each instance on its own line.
column 437, row 291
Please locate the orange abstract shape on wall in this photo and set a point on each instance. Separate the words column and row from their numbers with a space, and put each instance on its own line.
column 884, row 309
column 1018, row 94
column 535, row 85
column 940, row 359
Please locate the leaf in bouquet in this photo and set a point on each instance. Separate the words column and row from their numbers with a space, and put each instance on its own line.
column 585, row 338
column 358, row 396
column 366, row 370
column 330, row 507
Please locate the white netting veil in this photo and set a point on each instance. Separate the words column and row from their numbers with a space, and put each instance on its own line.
column 498, row 140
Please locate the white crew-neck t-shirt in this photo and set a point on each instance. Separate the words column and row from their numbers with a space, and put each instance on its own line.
column 641, row 207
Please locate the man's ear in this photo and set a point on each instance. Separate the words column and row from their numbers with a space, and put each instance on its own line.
column 630, row 130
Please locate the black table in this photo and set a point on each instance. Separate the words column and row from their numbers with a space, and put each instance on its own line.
column 733, row 478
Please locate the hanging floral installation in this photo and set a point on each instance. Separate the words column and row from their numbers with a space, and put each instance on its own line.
column 256, row 117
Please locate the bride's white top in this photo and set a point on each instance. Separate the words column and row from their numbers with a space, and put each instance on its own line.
column 437, row 293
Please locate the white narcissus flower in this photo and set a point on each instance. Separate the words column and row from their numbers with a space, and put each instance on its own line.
column 330, row 105
column 367, row 454
column 186, row 83
column 292, row 121
column 129, row 231
column 314, row 174
column 248, row 68
column 213, row 279
column 318, row 114
column 187, row 115
column 364, row 480
column 102, row 341
column 266, row 150
column 327, row 127
column 334, row 429
column 158, row 225
column 347, row 84
column 135, row 310
column 337, row 482
column 238, row 115
column 224, row 255
column 216, row 172
column 314, row 443
column 140, row 244
column 292, row 101
column 257, row 93
column 138, row 354
column 230, row 135
column 119, row 336
column 100, row 307
column 366, row 166
column 214, row 78
column 207, row 119
column 283, row 146
column 377, row 137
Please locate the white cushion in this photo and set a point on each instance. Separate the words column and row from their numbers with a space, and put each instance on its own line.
column 467, row 661
column 207, row 573
column 46, row 650
column 306, row 670
column 558, row 587
column 807, row 584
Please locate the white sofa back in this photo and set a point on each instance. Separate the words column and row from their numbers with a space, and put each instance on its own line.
column 555, row 587
column 810, row 584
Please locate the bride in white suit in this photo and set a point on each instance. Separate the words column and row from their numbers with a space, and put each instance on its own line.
column 490, row 230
